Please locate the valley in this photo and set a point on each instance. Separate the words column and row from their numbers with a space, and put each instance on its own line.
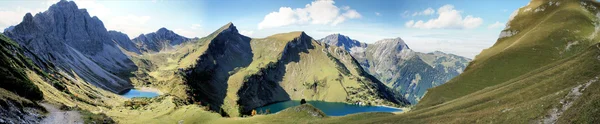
column 64, row 63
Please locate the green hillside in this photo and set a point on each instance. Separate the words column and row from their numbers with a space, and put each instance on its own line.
column 232, row 74
column 543, row 37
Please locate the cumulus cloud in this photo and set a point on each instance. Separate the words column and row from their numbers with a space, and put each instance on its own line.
column 448, row 18
column 428, row 11
column 322, row 12
column 496, row 25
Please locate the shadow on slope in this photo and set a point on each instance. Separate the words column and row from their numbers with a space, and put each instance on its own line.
column 253, row 94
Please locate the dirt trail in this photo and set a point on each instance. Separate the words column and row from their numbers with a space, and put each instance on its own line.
column 57, row 116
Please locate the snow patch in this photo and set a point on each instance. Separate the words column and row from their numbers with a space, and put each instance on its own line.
column 406, row 54
column 357, row 49
column 527, row 10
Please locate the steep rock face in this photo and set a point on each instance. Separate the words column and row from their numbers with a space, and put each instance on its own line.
column 123, row 41
column 394, row 63
column 163, row 39
column 69, row 38
column 226, row 51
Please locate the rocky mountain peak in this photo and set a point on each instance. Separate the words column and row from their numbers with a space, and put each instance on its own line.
column 393, row 42
column 163, row 30
column 229, row 27
column 342, row 41
column 28, row 18
column 69, row 37
column 64, row 5
column 162, row 39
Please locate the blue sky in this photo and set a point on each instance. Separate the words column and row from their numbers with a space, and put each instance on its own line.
column 463, row 27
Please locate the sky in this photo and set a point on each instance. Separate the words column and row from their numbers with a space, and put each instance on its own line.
column 462, row 27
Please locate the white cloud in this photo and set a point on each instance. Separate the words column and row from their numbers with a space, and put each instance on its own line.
column 352, row 14
column 322, row 12
column 187, row 33
column 247, row 33
column 448, row 18
column 377, row 14
column 428, row 11
column 496, row 25
column 13, row 17
column 196, row 26
column 132, row 25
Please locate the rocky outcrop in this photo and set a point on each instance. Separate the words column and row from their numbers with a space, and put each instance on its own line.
column 124, row 42
column 411, row 73
column 163, row 39
column 75, row 42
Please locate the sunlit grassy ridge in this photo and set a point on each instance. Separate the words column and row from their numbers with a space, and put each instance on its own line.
column 546, row 34
column 527, row 98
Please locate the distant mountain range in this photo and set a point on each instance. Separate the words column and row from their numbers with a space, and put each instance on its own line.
column 394, row 63
column 163, row 39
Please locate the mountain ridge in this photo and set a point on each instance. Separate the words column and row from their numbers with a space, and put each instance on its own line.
column 162, row 39
column 49, row 36
column 411, row 73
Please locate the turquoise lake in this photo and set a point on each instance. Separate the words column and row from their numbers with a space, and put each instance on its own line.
column 137, row 93
column 329, row 108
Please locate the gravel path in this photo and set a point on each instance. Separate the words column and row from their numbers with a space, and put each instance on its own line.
column 57, row 116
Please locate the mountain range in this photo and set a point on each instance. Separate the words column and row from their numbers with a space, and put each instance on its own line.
column 402, row 69
column 544, row 68
column 227, row 72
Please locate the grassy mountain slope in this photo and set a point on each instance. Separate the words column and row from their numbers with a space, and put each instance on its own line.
column 566, row 87
column 546, row 31
column 305, row 69
column 232, row 74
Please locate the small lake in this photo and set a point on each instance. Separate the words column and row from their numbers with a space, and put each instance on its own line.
column 329, row 108
column 138, row 93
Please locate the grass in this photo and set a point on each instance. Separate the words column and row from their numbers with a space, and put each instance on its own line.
column 543, row 39
column 12, row 66
column 520, row 79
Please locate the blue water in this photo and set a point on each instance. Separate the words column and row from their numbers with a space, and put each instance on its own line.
column 136, row 93
column 329, row 108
